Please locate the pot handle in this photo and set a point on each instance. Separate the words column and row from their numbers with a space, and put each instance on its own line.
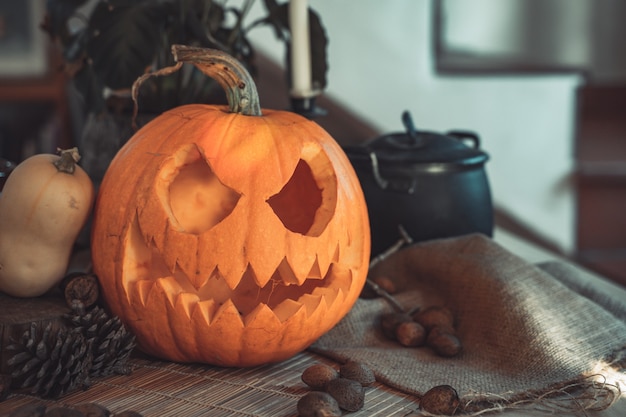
column 382, row 183
column 403, row 186
column 465, row 135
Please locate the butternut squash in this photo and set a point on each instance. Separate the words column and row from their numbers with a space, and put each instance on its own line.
column 44, row 204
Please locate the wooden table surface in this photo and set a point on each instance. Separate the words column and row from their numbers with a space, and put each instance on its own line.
column 157, row 388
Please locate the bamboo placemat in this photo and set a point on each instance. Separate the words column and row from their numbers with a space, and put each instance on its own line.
column 163, row 389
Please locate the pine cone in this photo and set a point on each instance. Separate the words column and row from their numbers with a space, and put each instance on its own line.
column 50, row 363
column 110, row 342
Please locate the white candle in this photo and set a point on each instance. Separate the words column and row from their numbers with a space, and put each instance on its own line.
column 300, row 49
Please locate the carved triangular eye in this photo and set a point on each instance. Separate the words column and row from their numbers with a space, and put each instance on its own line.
column 197, row 198
column 301, row 203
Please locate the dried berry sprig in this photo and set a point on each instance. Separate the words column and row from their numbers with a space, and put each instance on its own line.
column 405, row 239
column 433, row 326
column 384, row 294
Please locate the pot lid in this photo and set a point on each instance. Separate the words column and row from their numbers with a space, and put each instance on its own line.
column 415, row 147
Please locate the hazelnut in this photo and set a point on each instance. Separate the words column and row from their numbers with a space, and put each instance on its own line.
column 440, row 400
column 93, row 410
column 318, row 375
column 389, row 322
column 61, row 411
column 29, row 410
column 432, row 316
column 318, row 404
column 350, row 395
column 410, row 334
column 444, row 341
column 357, row 371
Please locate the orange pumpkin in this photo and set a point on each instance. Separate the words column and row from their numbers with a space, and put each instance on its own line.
column 228, row 236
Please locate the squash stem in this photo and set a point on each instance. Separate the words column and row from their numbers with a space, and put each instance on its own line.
column 67, row 161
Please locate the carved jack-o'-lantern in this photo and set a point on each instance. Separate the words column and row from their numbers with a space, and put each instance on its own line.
column 227, row 236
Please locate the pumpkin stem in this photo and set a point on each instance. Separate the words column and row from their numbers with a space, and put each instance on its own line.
column 67, row 161
column 232, row 76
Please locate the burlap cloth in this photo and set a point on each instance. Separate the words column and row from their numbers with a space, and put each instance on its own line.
column 526, row 329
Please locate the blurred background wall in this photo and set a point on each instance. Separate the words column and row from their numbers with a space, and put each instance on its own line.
column 531, row 77
column 510, row 72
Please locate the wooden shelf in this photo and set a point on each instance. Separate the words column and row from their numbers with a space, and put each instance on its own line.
column 610, row 263
column 50, row 88
column 609, row 171
column 601, row 180
column 601, row 129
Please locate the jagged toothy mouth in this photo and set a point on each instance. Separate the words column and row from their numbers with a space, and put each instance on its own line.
column 283, row 292
column 283, row 298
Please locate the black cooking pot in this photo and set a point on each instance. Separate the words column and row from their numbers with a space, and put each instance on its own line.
column 433, row 185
